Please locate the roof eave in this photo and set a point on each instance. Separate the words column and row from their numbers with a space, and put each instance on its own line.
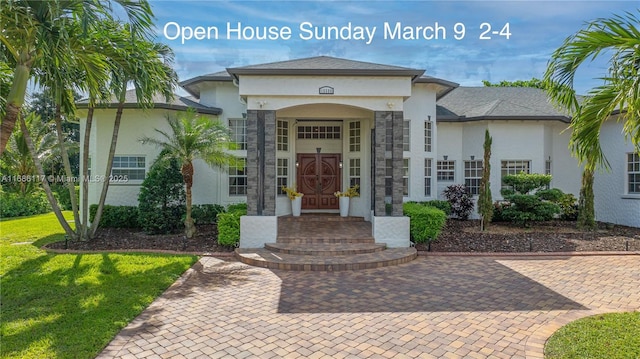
column 236, row 72
column 165, row 106
column 563, row 119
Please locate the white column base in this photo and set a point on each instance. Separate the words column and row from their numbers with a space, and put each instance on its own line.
column 255, row 231
column 394, row 231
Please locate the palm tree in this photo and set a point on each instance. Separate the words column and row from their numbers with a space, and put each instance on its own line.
column 618, row 37
column 194, row 137
column 34, row 33
column 147, row 66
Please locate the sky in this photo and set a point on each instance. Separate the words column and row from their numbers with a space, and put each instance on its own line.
column 459, row 41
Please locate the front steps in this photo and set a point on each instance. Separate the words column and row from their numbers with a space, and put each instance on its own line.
column 324, row 243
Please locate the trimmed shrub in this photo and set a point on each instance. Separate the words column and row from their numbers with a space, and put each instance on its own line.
column 529, row 200
column 116, row 216
column 235, row 207
column 442, row 205
column 229, row 224
column 498, row 210
column 161, row 202
column 426, row 222
column 16, row 205
column 206, row 213
column 460, row 200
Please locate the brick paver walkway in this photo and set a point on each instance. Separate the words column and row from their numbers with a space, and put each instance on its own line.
column 433, row 307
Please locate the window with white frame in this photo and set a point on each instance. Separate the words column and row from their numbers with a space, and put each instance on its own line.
column 427, row 177
column 514, row 167
column 238, row 127
column 406, row 136
column 354, row 172
column 319, row 132
column 446, row 171
column 633, row 173
column 130, row 168
column 427, row 136
column 354, row 136
column 282, row 174
column 282, row 136
column 237, row 180
column 473, row 176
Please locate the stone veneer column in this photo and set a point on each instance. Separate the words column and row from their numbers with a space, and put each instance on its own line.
column 261, row 163
column 383, row 119
column 398, row 164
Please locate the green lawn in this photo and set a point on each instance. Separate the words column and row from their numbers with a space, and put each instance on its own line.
column 68, row 305
column 607, row 336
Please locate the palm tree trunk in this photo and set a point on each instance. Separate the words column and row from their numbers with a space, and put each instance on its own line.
column 15, row 99
column 187, row 175
column 112, row 152
column 586, row 210
column 85, row 174
column 67, row 166
column 45, row 184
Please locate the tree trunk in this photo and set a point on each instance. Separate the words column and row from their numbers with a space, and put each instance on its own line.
column 187, row 175
column 67, row 168
column 85, row 174
column 45, row 183
column 112, row 151
column 586, row 210
column 15, row 100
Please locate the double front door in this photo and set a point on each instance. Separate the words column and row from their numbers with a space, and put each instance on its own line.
column 318, row 178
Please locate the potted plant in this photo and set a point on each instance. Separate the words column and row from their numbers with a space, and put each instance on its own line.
column 296, row 199
column 345, row 197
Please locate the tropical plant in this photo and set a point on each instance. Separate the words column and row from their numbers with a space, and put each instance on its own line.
column 617, row 37
column 194, row 137
column 17, row 161
column 460, row 200
column 44, row 36
column 485, row 202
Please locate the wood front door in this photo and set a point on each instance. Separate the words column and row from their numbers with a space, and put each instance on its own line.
column 319, row 178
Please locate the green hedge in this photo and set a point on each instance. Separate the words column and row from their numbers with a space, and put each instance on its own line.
column 229, row 224
column 116, row 216
column 206, row 213
column 426, row 222
column 15, row 205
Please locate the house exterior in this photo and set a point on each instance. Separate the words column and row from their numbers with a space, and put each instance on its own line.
column 324, row 124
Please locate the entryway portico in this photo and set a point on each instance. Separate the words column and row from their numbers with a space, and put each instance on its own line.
column 307, row 117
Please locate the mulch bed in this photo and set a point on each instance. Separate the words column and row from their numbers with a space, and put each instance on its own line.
column 553, row 236
column 457, row 236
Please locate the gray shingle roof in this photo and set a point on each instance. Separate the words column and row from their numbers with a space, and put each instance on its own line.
column 159, row 101
column 325, row 65
column 486, row 103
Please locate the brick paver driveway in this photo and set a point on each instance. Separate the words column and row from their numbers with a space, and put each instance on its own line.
column 433, row 307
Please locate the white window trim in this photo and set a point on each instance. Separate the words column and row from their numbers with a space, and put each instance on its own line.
column 627, row 194
column 116, row 181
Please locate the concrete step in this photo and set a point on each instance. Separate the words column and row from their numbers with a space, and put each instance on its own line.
column 261, row 257
column 336, row 249
column 328, row 239
column 320, row 217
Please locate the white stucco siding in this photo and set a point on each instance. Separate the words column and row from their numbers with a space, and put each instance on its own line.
column 532, row 141
column 449, row 144
column 134, row 125
column 613, row 203
column 251, row 85
column 418, row 109
column 566, row 173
